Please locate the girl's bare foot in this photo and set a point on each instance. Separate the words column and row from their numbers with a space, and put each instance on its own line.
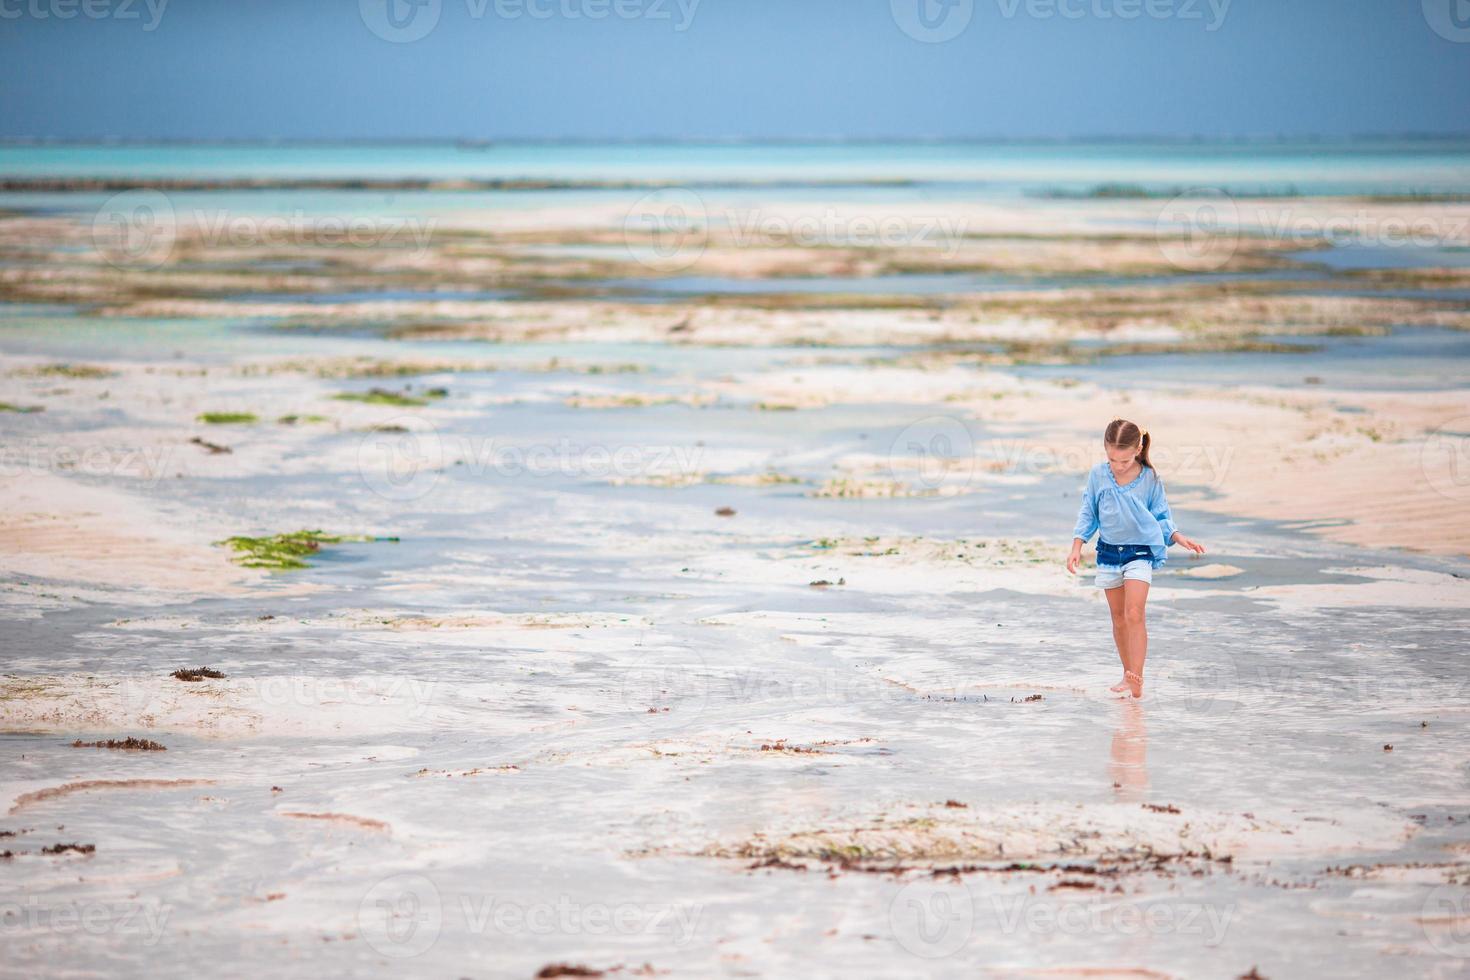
column 1134, row 682
column 1120, row 687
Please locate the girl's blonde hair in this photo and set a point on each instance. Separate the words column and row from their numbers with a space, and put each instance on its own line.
column 1123, row 434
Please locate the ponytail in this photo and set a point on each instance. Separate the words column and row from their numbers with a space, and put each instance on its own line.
column 1123, row 434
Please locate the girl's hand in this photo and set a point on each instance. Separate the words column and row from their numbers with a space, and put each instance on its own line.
column 1073, row 559
column 1192, row 545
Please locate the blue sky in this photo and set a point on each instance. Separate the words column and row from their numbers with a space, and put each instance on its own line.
column 628, row 69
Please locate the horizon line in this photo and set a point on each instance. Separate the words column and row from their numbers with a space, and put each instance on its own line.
column 471, row 142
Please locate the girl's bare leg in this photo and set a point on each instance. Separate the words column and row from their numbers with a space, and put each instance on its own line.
column 1135, row 597
column 1120, row 631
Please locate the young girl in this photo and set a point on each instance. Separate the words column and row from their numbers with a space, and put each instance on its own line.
column 1125, row 500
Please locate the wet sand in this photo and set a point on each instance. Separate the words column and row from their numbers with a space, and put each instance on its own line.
column 702, row 639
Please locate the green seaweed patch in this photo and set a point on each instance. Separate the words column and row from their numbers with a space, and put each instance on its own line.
column 302, row 420
column 228, row 418
column 281, row 552
column 70, row 371
column 22, row 409
column 386, row 396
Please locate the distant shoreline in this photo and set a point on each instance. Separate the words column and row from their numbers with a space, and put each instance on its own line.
column 1100, row 192
column 479, row 144
column 117, row 184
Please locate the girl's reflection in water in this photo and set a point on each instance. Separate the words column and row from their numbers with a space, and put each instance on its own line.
column 1129, row 765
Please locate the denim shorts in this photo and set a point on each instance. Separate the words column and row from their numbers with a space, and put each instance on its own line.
column 1117, row 562
column 1113, row 576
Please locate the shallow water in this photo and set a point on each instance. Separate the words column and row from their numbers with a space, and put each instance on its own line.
column 1404, row 359
column 477, row 746
column 992, row 168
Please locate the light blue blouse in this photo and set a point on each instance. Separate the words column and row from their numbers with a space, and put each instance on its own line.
column 1134, row 514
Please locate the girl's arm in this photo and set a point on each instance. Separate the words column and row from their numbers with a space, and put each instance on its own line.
column 1158, row 505
column 1086, row 525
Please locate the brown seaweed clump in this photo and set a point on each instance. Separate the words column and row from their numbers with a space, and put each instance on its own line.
column 194, row 674
column 129, row 744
